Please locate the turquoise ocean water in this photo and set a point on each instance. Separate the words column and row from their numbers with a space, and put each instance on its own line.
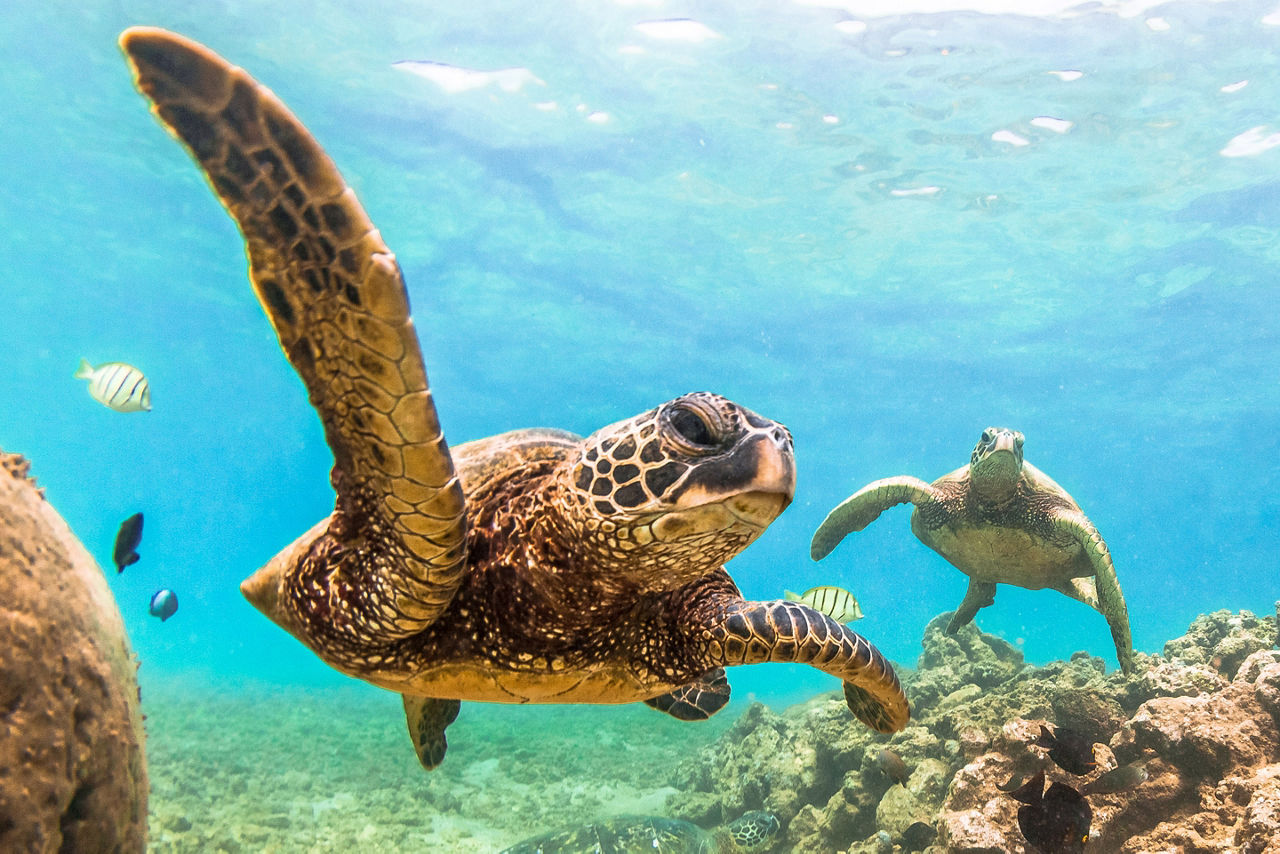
column 885, row 230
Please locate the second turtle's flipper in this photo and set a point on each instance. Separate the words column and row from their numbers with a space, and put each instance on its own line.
column 334, row 294
column 864, row 507
column 756, row 632
column 979, row 595
column 696, row 701
column 1082, row 590
column 428, row 718
column 1110, row 599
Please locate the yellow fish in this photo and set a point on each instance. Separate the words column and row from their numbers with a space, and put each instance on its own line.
column 836, row 602
column 117, row 385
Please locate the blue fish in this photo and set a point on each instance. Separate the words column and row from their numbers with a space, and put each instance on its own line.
column 164, row 604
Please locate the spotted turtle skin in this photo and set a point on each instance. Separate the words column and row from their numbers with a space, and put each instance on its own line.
column 534, row 566
column 646, row 834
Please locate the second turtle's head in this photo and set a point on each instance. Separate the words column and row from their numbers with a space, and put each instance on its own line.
column 996, row 463
column 753, row 831
column 669, row 495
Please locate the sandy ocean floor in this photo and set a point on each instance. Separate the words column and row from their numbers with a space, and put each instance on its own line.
column 260, row 769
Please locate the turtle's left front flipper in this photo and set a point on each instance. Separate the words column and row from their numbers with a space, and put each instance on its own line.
column 1110, row 599
column 334, row 294
column 756, row 632
column 427, row 718
column 698, row 700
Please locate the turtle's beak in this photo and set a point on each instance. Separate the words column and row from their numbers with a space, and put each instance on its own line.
column 1004, row 442
column 775, row 479
column 776, row 465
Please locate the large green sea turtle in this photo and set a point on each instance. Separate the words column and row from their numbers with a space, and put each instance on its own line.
column 533, row 566
column 999, row 520
column 644, row 834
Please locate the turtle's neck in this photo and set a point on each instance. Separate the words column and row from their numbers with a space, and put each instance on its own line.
column 994, row 479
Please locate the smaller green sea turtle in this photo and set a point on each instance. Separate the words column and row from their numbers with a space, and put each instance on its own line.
column 999, row 520
column 628, row 834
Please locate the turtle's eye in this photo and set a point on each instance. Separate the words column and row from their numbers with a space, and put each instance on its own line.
column 691, row 426
column 1018, row 439
column 986, row 437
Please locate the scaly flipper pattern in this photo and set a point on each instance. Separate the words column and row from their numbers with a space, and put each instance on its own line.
column 696, row 701
column 979, row 595
column 427, row 719
column 1110, row 602
column 335, row 296
column 864, row 507
column 755, row 632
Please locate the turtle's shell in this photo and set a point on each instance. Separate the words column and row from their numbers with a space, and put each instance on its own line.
column 624, row 835
column 1012, row 543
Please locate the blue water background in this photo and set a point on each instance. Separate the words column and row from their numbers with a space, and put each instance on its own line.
column 752, row 217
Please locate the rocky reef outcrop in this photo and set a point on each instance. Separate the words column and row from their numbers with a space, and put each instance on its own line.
column 73, row 775
column 1203, row 717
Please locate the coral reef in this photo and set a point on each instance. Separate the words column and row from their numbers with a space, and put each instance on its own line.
column 1203, row 716
column 72, row 771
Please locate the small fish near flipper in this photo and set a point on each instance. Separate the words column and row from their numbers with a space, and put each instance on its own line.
column 164, row 604
column 128, row 537
column 117, row 386
column 1056, row 821
column 1070, row 750
column 836, row 602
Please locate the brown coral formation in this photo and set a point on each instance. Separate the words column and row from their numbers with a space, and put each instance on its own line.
column 72, row 771
column 1204, row 717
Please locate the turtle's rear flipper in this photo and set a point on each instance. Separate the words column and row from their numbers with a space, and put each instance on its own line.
column 979, row 595
column 427, row 718
column 756, row 632
column 696, row 701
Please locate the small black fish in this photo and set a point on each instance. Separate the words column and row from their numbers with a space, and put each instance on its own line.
column 1116, row 780
column 1070, row 750
column 1053, row 822
column 164, row 604
column 893, row 766
column 127, row 539
column 1014, row 783
column 1031, row 792
column 918, row 836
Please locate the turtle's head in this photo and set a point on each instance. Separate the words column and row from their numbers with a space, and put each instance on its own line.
column 668, row 496
column 754, row 830
column 996, row 463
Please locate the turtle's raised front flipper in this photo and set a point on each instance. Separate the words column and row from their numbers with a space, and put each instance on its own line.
column 334, row 294
column 428, row 718
column 696, row 701
column 979, row 595
column 1110, row 599
column 864, row 507
column 756, row 632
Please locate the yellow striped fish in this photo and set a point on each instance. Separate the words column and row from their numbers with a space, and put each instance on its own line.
column 836, row 602
column 117, row 385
